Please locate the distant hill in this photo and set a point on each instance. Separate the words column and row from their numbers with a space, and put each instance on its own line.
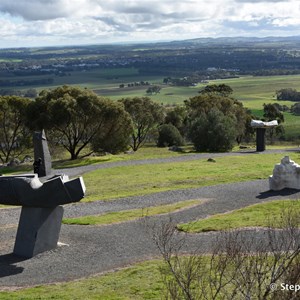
column 242, row 41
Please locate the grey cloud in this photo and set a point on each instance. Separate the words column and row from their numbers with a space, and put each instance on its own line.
column 34, row 9
column 263, row 24
column 260, row 1
column 118, row 25
column 143, row 15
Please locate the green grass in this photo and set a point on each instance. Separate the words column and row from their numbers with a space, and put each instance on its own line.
column 117, row 182
column 141, row 281
column 129, row 215
column 257, row 215
column 252, row 91
column 146, row 152
column 21, row 169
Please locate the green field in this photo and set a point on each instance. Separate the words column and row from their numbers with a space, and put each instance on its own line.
column 252, row 91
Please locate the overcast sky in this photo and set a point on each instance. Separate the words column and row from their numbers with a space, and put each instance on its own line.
column 69, row 22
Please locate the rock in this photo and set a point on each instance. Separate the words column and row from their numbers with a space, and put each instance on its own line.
column 175, row 149
column 129, row 152
column 14, row 162
column 211, row 160
column 27, row 159
column 285, row 175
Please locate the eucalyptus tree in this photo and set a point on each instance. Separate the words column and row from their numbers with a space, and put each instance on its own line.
column 14, row 135
column 216, row 119
column 146, row 115
column 76, row 116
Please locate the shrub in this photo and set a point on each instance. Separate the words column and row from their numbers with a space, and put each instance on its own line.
column 213, row 132
column 115, row 137
column 169, row 135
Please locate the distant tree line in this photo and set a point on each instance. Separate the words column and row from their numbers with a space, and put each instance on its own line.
column 288, row 94
column 133, row 84
column 275, row 72
column 184, row 81
column 30, row 93
column 41, row 81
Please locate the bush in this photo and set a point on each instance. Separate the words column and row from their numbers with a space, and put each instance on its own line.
column 169, row 135
column 213, row 132
column 242, row 265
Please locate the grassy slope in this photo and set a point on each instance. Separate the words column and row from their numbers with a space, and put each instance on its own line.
column 142, row 281
column 146, row 152
column 262, row 215
column 126, row 181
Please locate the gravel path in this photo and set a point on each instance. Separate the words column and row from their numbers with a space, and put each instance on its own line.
column 90, row 250
column 94, row 249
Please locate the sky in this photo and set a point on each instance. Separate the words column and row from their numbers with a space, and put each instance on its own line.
column 31, row 23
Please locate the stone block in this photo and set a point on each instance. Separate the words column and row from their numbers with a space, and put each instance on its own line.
column 38, row 230
column 285, row 175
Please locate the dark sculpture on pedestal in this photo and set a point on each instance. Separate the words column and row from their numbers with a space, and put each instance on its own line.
column 42, row 213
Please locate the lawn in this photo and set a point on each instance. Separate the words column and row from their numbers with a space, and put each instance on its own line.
column 130, row 215
column 141, row 281
column 257, row 215
column 134, row 180
column 146, row 152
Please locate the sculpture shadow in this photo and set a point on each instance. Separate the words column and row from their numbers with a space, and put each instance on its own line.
column 7, row 267
column 283, row 192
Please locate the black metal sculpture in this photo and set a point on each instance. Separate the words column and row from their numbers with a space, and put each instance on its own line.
column 28, row 190
column 42, row 213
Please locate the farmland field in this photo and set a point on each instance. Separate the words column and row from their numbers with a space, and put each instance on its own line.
column 253, row 91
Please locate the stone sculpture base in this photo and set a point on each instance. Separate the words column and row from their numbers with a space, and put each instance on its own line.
column 260, row 139
column 38, row 230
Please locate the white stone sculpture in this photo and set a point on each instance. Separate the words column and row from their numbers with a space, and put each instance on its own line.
column 262, row 124
column 285, row 175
